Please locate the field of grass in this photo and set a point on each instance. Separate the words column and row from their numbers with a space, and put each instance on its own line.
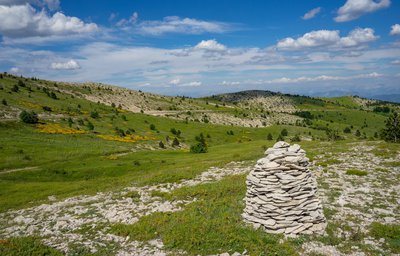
column 63, row 156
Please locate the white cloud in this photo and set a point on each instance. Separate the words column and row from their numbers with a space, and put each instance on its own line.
column 175, row 24
column 210, row 45
column 191, row 84
column 14, row 70
column 285, row 80
column 128, row 22
column 175, row 81
column 50, row 4
column 328, row 38
column 21, row 21
column 229, row 83
column 354, row 9
column 311, row 13
column 395, row 62
column 395, row 29
column 69, row 65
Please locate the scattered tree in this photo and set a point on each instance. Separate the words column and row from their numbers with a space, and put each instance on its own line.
column 4, row 102
column 70, row 121
column 94, row 114
column 161, row 144
column 175, row 142
column 284, row 133
column 15, row 88
column 152, row 127
column 295, row 138
column 269, row 136
column 119, row 132
column 90, row 126
column 391, row 132
column 358, row 133
column 200, row 146
column 347, row 130
column 28, row 117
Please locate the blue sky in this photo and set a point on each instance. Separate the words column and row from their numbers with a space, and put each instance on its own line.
column 204, row 47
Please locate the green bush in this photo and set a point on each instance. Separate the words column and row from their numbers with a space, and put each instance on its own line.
column 94, row 114
column 119, row 132
column 201, row 146
column 347, row 130
column 284, row 133
column 4, row 102
column 28, row 117
column 175, row 142
column 152, row 127
column 269, row 136
column 90, row 126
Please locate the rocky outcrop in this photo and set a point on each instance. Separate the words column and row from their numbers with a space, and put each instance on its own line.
column 282, row 193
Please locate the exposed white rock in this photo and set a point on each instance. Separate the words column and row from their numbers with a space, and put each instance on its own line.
column 281, row 193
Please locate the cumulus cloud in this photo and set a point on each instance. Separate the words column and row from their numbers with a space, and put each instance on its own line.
column 19, row 21
column 175, row 24
column 50, row 4
column 328, row 38
column 175, row 81
column 395, row 29
column 354, row 9
column 210, row 45
column 311, row 13
column 69, row 65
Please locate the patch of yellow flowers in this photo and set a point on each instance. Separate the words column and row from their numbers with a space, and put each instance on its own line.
column 129, row 138
column 57, row 129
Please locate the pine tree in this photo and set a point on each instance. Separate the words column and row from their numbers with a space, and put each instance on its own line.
column 392, row 130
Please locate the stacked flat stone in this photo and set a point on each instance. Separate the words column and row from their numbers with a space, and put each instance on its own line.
column 282, row 193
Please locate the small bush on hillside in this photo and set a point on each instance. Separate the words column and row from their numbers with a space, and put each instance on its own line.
column 295, row 138
column 90, row 126
column 4, row 102
column 269, row 136
column 175, row 142
column 46, row 108
column 332, row 134
column 152, row 127
column 94, row 114
column 280, row 138
column 15, row 88
column 28, row 117
column 284, row 132
column 119, row 132
column 347, row 130
column 70, row 121
column 161, row 144
column 21, row 83
column 124, row 118
column 358, row 133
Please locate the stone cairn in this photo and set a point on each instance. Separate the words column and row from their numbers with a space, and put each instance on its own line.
column 281, row 193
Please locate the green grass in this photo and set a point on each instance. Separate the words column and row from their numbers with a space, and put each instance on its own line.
column 26, row 246
column 213, row 224
column 391, row 234
column 356, row 172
